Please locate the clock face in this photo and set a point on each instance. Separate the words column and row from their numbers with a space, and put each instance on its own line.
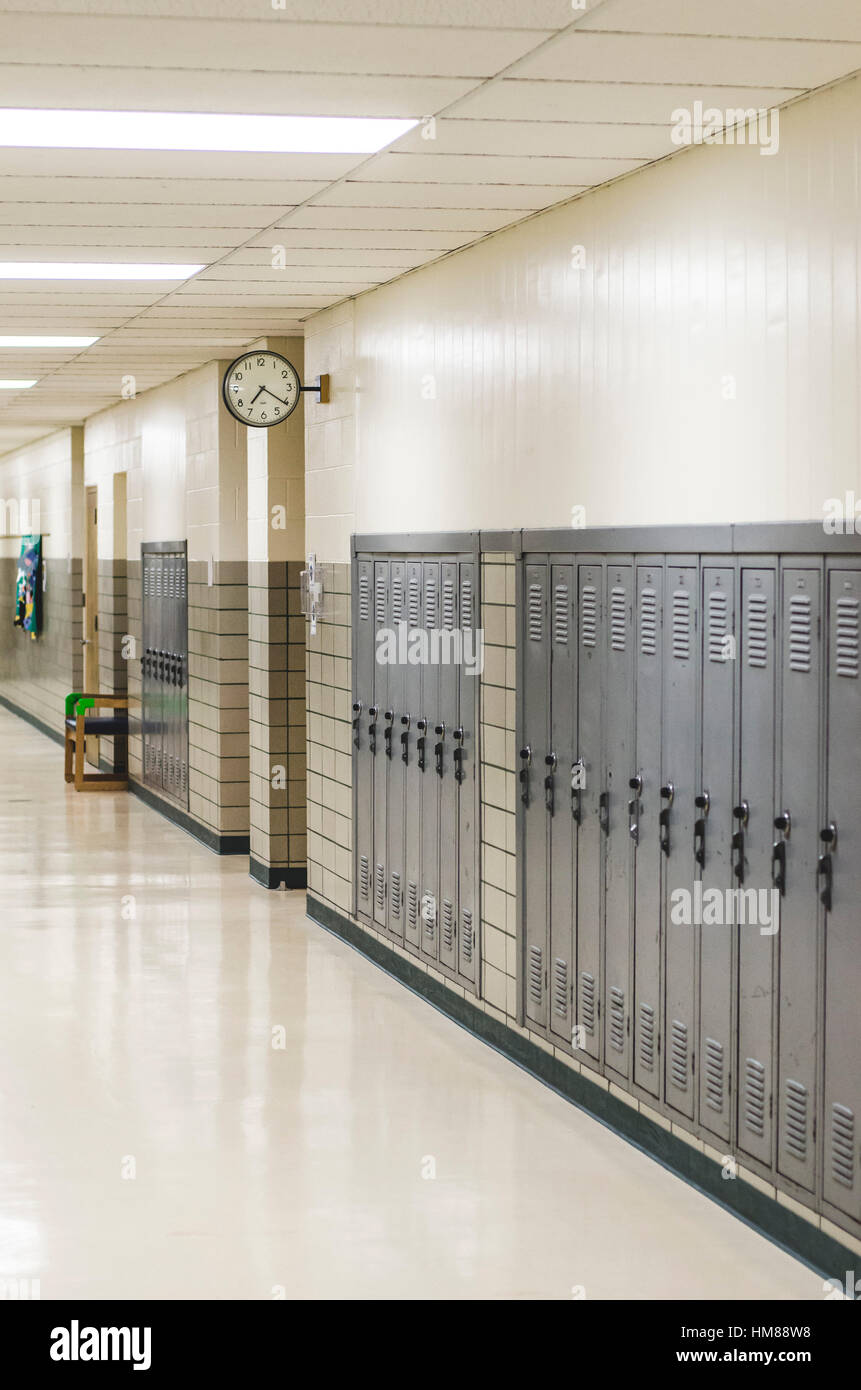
column 261, row 389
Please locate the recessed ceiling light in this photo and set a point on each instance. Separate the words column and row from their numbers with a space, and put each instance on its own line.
column 194, row 130
column 93, row 270
column 8, row 340
column 16, row 385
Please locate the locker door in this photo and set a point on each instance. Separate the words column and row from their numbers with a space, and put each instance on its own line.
column 647, row 871
column 557, row 796
column 531, row 789
column 449, row 673
column 677, row 792
column 429, row 900
column 593, row 803
column 146, row 666
column 378, row 709
column 467, row 773
column 409, row 751
column 716, row 794
column 794, row 870
column 170, row 643
column 392, row 753
column 363, row 698
column 619, row 764
column 753, row 819
column 183, row 677
column 840, row 879
column 155, row 644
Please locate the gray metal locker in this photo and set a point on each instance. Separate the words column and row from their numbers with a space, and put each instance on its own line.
column 794, row 856
column 363, row 665
column 535, row 731
column 428, row 743
column 164, row 668
column 395, row 807
column 753, row 838
column 593, row 803
column 678, row 813
column 839, row 875
column 448, row 732
column 713, row 832
column 646, row 816
column 376, row 730
column 560, row 797
column 618, row 701
column 413, row 755
column 466, row 773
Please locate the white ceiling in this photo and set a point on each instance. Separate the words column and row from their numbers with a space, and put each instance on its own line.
column 535, row 102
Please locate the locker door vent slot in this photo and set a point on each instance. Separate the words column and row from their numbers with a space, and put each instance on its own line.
column 560, row 987
column 589, row 615
column 466, row 939
column 414, row 600
column 448, row 604
column 364, row 876
column 714, row 1075
column 757, row 630
column 718, row 614
column 843, row 1145
column 380, row 601
column 396, row 894
column 647, row 1037
column 648, row 622
column 560, row 614
column 447, row 925
column 682, row 625
column 679, row 1054
column 847, row 637
column 381, row 887
column 413, row 904
column 587, row 1001
column 466, row 601
column 397, row 598
column 796, row 1120
column 617, row 1019
column 754, row 1102
column 430, row 929
column 430, row 601
column 618, row 618
column 536, row 974
column 536, row 613
column 800, row 633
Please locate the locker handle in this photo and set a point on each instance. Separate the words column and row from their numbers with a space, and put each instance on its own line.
column 742, row 812
column 549, row 798
column 526, row 759
column 421, row 725
column 703, row 803
column 405, row 739
column 373, row 711
column 668, row 792
column 636, row 785
column 387, row 731
column 783, row 823
column 778, row 866
column 604, row 812
column 439, row 730
column 738, row 847
column 825, row 869
column 458, row 754
column 664, row 830
column 700, row 842
column 357, row 710
column 828, row 836
column 577, row 770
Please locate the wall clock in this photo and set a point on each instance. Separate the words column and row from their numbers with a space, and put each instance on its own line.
column 262, row 388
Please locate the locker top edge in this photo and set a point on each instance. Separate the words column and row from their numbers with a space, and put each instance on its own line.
column 415, row 542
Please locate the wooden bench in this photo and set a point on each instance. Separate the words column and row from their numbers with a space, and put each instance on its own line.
column 78, row 724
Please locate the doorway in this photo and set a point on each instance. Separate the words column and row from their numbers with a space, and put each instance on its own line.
column 91, row 608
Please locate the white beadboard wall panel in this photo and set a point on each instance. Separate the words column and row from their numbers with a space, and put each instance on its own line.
column 702, row 365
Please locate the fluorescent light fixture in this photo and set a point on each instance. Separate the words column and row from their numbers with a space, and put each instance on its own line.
column 12, row 340
column 93, row 270
column 16, row 385
column 194, row 130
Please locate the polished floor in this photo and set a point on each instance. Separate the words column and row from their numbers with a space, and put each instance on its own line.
column 155, row 1144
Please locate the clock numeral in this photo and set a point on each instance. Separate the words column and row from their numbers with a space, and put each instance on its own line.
column 263, row 416
column 284, row 374
column 240, row 402
column 237, row 376
column 261, row 361
column 277, row 410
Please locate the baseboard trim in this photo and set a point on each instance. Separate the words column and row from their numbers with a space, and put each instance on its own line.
column 776, row 1222
column 33, row 720
column 271, row 877
column 219, row 844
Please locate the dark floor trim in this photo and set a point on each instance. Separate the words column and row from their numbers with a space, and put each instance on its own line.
column 274, row 877
column 31, row 719
column 220, row 844
column 791, row 1232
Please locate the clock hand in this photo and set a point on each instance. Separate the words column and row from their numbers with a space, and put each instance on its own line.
column 273, row 395
column 259, row 390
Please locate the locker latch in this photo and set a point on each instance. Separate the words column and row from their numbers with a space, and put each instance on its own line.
column 550, row 763
column 373, row 711
column 604, row 812
column 422, row 726
column 439, row 730
column 578, row 781
column 703, row 804
column 741, row 814
column 357, row 712
column 526, row 760
column 783, row 823
column 405, row 738
column 825, row 865
column 636, row 785
column 387, row 731
column 458, row 754
column 668, row 793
